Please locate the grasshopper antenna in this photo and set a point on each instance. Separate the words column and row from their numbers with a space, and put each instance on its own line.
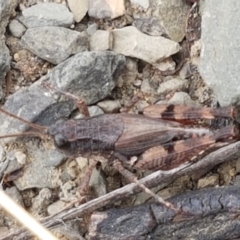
column 35, row 126
column 36, row 134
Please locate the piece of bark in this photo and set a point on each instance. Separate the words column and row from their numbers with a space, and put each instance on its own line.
column 207, row 214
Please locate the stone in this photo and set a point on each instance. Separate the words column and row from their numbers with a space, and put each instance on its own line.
column 146, row 87
column 93, row 111
column 7, row 9
column 40, row 171
column 54, row 44
column 56, row 207
column 167, row 65
column 195, row 52
column 209, row 181
column 185, row 71
column 5, row 60
column 129, row 41
column 46, row 14
column 13, row 166
column 2, row 155
column 82, row 162
column 41, row 201
column 16, row 28
column 92, row 28
column 173, row 15
column 149, row 25
column 89, row 75
column 20, row 157
column 100, row 41
column 109, row 106
column 15, row 195
column 142, row 3
column 182, row 98
column 172, row 85
column 238, row 165
column 219, row 60
column 106, row 8
column 227, row 171
column 98, row 182
column 78, row 8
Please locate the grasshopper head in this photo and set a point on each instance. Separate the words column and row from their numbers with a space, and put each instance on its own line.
column 63, row 134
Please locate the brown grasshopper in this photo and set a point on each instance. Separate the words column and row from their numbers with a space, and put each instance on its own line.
column 158, row 144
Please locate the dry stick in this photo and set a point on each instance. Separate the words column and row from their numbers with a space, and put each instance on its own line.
column 224, row 154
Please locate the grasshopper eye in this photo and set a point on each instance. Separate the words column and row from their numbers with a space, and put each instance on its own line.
column 60, row 140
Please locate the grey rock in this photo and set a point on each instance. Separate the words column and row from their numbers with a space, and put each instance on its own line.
column 142, row 3
column 78, row 8
column 131, row 42
column 47, row 14
column 173, row 85
column 92, row 29
column 219, row 62
column 4, row 63
column 100, row 41
column 182, row 98
column 98, row 182
column 40, row 172
column 236, row 180
column 7, row 8
column 56, row 207
column 89, row 75
column 15, row 195
column 20, row 157
column 195, row 52
column 151, row 26
column 166, row 65
column 54, row 44
column 68, row 190
column 146, row 87
column 109, row 106
column 185, row 71
column 209, row 181
column 93, row 111
column 13, row 163
column 41, row 201
column 106, row 9
column 27, row 103
column 2, row 155
column 3, row 167
column 16, row 28
column 172, row 15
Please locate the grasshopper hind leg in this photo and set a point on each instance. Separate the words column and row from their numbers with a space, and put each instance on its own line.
column 132, row 178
